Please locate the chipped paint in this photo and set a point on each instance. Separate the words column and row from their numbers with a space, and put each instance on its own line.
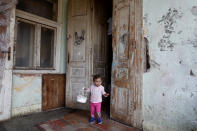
column 127, row 62
column 194, row 10
column 5, row 12
column 114, row 62
column 7, row 20
column 168, row 20
column 26, row 93
column 26, row 110
column 170, row 86
column 20, row 87
column 132, row 58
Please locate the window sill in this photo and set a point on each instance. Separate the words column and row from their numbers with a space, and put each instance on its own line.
column 27, row 71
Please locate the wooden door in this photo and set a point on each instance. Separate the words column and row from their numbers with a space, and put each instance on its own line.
column 126, row 94
column 100, row 40
column 53, row 91
column 78, row 51
column 7, row 18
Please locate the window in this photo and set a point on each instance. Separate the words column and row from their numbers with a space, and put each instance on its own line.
column 44, row 8
column 36, row 35
column 46, row 47
column 25, row 44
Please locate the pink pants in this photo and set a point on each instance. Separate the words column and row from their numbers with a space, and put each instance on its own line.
column 96, row 106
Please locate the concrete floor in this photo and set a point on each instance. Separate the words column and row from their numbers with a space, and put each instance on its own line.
column 69, row 119
column 28, row 122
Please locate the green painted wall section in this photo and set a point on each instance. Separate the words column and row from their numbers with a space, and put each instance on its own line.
column 63, row 44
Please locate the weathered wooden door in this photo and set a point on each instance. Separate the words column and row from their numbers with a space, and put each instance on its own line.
column 78, row 52
column 6, row 43
column 53, row 91
column 126, row 94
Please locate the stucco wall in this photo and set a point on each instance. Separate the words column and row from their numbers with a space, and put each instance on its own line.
column 26, row 94
column 170, row 86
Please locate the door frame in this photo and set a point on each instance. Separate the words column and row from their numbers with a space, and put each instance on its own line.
column 8, row 69
column 136, row 105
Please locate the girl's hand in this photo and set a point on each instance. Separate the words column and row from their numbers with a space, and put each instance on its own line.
column 106, row 95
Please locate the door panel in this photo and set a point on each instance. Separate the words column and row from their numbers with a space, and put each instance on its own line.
column 53, row 91
column 78, row 58
column 7, row 18
column 126, row 94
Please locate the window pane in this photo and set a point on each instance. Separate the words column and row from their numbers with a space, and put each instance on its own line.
column 25, row 44
column 43, row 8
column 47, row 48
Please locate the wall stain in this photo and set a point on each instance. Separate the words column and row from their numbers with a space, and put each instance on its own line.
column 195, row 110
column 194, row 10
column 192, row 94
column 179, row 32
column 181, row 61
column 192, row 73
column 154, row 64
column 145, row 19
column 193, row 41
column 27, row 75
column 21, row 87
column 169, row 20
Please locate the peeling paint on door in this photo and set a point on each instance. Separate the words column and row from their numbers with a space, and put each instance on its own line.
column 126, row 101
column 6, row 41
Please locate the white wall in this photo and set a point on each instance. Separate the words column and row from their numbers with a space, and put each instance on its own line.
column 26, row 94
column 170, row 86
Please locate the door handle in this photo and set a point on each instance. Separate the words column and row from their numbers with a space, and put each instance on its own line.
column 7, row 52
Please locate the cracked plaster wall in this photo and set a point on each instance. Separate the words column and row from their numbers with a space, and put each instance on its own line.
column 170, row 86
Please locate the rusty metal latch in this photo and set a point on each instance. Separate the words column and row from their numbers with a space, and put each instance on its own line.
column 68, row 59
column 7, row 52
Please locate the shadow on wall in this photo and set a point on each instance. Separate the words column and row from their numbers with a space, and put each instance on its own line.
column 146, row 55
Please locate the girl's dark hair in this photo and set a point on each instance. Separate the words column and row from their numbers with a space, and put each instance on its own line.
column 96, row 77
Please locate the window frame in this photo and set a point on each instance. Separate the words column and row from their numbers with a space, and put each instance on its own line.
column 14, row 61
column 40, row 22
column 39, row 48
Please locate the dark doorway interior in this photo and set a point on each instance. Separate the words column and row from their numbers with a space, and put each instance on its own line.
column 106, row 101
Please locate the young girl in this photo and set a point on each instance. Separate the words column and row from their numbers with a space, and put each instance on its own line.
column 96, row 90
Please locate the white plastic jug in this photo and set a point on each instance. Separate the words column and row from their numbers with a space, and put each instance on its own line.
column 82, row 97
